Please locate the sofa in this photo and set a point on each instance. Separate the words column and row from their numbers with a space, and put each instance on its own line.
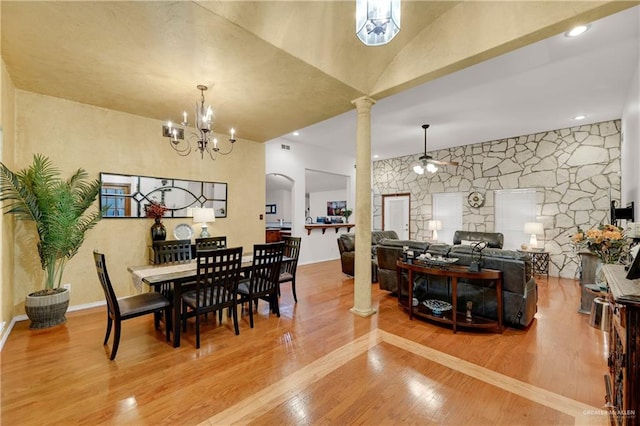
column 519, row 288
column 347, row 246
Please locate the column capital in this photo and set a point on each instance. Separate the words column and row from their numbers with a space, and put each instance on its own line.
column 363, row 102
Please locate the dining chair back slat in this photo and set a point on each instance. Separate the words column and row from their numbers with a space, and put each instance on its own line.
column 218, row 273
column 211, row 243
column 172, row 251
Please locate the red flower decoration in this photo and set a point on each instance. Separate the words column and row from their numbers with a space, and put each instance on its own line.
column 155, row 211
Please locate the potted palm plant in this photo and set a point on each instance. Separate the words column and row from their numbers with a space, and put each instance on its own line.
column 58, row 208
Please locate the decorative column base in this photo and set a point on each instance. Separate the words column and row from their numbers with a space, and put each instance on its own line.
column 363, row 313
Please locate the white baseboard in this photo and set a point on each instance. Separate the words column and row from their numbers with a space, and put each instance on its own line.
column 4, row 334
column 86, row 306
column 318, row 261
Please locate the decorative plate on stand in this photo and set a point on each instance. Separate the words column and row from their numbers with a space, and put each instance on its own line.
column 183, row 232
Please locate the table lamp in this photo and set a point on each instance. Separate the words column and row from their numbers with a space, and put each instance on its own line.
column 434, row 226
column 203, row 215
column 533, row 228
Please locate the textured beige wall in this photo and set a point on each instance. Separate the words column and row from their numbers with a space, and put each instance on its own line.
column 75, row 135
column 7, row 96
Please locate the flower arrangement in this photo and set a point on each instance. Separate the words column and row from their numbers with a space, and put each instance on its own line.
column 606, row 241
column 155, row 210
column 346, row 213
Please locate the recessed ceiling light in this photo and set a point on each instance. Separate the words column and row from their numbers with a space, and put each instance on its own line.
column 296, row 133
column 376, row 156
column 576, row 31
column 579, row 117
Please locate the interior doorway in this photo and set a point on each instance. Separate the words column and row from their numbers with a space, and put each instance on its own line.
column 395, row 214
column 279, row 198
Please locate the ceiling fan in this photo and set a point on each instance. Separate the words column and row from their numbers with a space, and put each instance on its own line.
column 426, row 162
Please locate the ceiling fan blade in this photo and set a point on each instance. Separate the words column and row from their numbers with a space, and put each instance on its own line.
column 443, row 163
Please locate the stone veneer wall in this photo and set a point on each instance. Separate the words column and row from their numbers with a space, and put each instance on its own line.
column 576, row 171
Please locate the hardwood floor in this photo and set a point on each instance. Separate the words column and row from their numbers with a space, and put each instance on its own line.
column 316, row 364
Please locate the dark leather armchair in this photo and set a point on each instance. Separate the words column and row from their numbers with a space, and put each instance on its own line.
column 347, row 246
column 387, row 258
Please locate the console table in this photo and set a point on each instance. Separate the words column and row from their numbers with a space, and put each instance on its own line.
column 453, row 273
column 622, row 384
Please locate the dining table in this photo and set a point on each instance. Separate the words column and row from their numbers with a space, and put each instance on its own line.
column 183, row 276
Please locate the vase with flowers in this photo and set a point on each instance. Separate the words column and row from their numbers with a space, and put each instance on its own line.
column 607, row 242
column 156, row 212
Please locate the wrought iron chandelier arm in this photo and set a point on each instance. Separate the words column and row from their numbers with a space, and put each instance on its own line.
column 202, row 134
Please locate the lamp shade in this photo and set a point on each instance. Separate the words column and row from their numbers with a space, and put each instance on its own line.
column 434, row 225
column 533, row 228
column 203, row 215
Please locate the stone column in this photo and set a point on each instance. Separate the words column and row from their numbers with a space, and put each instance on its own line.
column 362, row 279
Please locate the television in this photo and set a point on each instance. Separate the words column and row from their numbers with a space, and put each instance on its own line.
column 634, row 268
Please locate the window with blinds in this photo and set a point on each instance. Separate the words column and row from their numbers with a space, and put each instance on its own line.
column 513, row 208
column 447, row 208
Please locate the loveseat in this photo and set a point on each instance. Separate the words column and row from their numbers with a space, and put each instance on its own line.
column 347, row 246
column 519, row 289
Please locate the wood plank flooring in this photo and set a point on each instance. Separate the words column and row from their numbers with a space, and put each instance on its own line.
column 316, row 364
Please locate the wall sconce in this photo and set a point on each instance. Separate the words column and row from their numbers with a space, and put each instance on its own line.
column 434, row 226
column 533, row 228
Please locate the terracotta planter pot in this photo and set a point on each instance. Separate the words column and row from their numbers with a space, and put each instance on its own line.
column 47, row 310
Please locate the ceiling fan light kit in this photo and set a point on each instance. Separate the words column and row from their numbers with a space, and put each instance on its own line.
column 427, row 163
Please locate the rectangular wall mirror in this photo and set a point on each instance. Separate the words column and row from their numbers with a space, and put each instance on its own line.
column 126, row 195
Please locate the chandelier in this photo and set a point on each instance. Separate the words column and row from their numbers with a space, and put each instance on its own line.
column 377, row 21
column 202, row 137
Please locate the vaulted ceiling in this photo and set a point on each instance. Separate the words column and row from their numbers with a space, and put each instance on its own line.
column 272, row 67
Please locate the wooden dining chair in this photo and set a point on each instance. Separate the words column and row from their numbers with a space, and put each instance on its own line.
column 216, row 287
column 171, row 251
column 211, row 243
column 263, row 281
column 119, row 310
column 288, row 270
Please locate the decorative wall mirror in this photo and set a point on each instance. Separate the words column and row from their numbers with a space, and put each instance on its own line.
column 125, row 196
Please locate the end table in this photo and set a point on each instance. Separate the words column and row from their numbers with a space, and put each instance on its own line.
column 539, row 261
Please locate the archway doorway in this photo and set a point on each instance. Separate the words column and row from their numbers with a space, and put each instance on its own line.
column 279, row 203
